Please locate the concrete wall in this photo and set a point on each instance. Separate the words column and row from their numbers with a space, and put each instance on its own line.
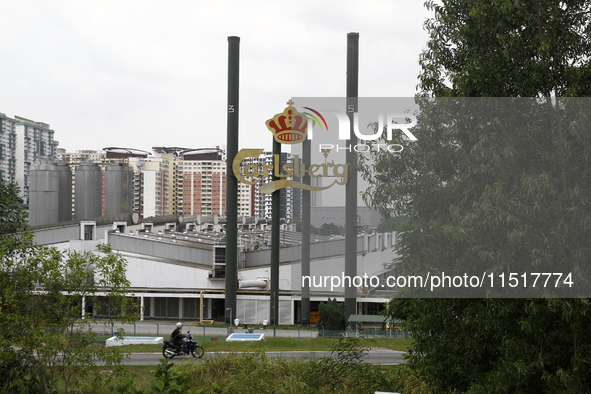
column 149, row 193
column 318, row 250
column 180, row 251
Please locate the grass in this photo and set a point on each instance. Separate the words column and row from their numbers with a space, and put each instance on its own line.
column 276, row 344
column 245, row 368
column 255, row 373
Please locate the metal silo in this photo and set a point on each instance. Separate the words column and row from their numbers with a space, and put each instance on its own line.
column 88, row 191
column 65, row 192
column 43, row 194
column 118, row 189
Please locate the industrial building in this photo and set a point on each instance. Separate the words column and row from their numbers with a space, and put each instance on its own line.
column 172, row 180
column 176, row 265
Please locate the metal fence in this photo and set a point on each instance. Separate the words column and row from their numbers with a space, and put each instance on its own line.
column 366, row 333
column 205, row 332
column 199, row 331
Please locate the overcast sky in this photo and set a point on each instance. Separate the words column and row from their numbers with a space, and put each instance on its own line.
column 140, row 74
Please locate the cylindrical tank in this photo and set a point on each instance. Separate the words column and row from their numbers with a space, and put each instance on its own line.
column 43, row 194
column 65, row 192
column 118, row 189
column 88, row 191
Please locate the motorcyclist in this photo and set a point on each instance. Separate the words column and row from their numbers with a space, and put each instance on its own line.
column 177, row 336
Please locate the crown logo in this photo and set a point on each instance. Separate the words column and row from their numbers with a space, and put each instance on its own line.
column 289, row 127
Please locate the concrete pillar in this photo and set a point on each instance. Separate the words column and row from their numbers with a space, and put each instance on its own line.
column 152, row 307
column 142, row 308
column 180, row 308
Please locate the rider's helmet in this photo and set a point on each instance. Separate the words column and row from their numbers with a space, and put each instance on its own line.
column 179, row 325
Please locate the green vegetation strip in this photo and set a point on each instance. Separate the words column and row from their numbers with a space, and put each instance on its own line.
column 254, row 372
column 277, row 344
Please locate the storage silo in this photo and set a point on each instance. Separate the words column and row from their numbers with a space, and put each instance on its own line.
column 88, row 191
column 43, row 194
column 65, row 192
column 118, row 189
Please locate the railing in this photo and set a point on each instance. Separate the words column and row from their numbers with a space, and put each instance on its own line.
column 206, row 332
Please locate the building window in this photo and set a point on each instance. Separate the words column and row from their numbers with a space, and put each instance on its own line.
column 88, row 232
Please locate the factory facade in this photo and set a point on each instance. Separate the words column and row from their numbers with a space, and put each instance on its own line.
column 176, row 265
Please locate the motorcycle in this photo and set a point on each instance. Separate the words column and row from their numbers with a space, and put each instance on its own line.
column 170, row 349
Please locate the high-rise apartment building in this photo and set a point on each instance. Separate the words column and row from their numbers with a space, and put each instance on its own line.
column 79, row 156
column 263, row 203
column 151, row 186
column 201, row 185
column 22, row 142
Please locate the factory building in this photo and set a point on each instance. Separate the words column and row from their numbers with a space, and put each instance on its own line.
column 176, row 265
column 171, row 180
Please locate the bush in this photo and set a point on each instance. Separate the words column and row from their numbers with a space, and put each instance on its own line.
column 331, row 315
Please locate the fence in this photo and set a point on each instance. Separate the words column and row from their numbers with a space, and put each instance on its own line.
column 204, row 332
column 367, row 333
column 199, row 331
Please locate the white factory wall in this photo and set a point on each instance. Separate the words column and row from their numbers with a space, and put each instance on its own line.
column 143, row 272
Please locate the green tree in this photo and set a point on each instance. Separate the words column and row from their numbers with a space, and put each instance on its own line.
column 331, row 229
column 506, row 48
column 331, row 315
column 503, row 199
column 388, row 225
column 46, row 333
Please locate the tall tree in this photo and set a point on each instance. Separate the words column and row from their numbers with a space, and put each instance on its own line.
column 505, row 199
column 507, row 48
column 331, row 315
column 45, row 330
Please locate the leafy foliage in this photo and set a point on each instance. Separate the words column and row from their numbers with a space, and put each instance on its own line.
column 257, row 373
column 326, row 228
column 501, row 48
column 46, row 332
column 346, row 356
column 12, row 217
column 169, row 381
column 331, row 315
column 497, row 197
column 388, row 225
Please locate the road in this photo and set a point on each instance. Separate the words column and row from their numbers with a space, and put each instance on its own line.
column 377, row 357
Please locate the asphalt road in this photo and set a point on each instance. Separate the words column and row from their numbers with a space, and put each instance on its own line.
column 377, row 357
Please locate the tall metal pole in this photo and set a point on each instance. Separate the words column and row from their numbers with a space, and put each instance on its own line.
column 351, row 186
column 306, row 208
column 231, row 180
column 276, row 199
